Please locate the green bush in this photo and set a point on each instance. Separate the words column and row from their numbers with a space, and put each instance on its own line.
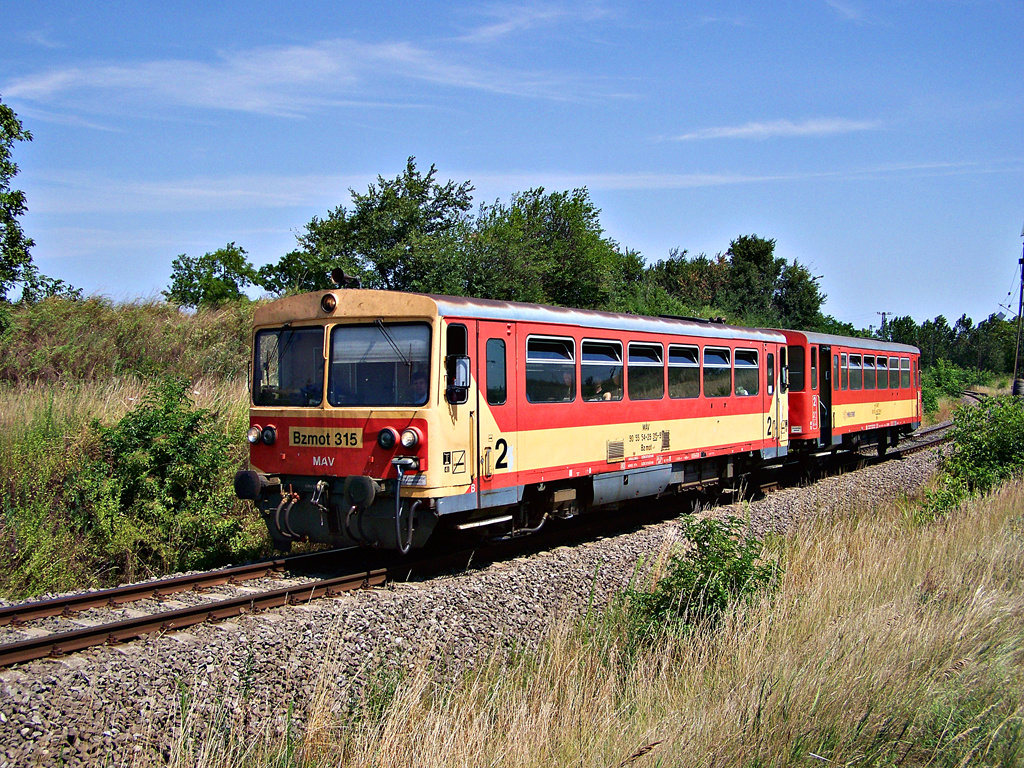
column 85, row 504
column 162, row 485
column 724, row 565
column 988, row 447
column 949, row 380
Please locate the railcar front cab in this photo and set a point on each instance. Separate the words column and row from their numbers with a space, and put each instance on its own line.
column 343, row 401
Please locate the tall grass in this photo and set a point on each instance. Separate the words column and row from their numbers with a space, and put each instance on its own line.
column 71, row 514
column 57, row 340
column 63, row 525
column 888, row 642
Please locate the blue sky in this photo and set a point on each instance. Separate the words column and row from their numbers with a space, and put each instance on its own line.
column 880, row 144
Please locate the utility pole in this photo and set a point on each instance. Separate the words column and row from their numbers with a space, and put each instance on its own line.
column 884, row 315
column 1018, row 386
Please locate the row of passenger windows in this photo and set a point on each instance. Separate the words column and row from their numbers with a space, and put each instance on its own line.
column 551, row 371
column 851, row 371
column 871, row 372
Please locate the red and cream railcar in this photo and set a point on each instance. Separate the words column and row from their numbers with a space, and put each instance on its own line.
column 491, row 414
column 848, row 392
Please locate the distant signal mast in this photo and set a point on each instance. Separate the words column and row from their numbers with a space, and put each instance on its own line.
column 1018, row 385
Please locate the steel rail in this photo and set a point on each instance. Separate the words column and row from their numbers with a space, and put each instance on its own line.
column 167, row 621
column 157, row 589
column 911, row 449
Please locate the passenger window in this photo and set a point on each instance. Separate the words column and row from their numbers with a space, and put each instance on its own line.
column 835, row 372
column 814, row 368
column 683, row 372
column 717, row 372
column 856, row 373
column 894, row 373
column 771, row 374
column 846, row 371
column 550, row 370
column 496, row 383
column 883, row 374
column 646, row 375
column 905, row 372
column 601, row 370
column 747, row 375
column 869, row 372
column 796, row 368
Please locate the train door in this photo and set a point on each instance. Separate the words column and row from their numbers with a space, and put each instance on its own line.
column 497, row 395
column 458, row 451
column 771, row 399
column 828, row 380
column 781, row 400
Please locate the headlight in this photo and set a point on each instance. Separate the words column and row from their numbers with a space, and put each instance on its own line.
column 387, row 438
column 268, row 435
column 328, row 302
column 410, row 437
column 253, row 435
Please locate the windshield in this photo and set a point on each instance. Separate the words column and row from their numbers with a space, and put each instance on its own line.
column 379, row 365
column 289, row 367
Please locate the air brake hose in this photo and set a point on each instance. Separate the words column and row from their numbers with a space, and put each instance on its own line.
column 401, row 464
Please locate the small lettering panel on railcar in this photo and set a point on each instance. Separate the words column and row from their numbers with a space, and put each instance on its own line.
column 326, row 437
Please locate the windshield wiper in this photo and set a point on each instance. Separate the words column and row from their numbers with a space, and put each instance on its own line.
column 387, row 335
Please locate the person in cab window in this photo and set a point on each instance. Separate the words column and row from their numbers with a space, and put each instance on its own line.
column 419, row 387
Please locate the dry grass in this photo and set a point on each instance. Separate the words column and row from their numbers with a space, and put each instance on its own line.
column 77, row 404
column 888, row 643
column 943, row 413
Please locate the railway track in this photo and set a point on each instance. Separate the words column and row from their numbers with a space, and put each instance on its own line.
column 389, row 568
column 159, row 589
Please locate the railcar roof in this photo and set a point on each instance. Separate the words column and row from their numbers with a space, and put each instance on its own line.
column 853, row 341
column 489, row 309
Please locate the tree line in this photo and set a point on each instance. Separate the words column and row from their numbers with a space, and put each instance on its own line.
column 415, row 233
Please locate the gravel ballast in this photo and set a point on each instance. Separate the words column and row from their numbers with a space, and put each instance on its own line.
column 127, row 705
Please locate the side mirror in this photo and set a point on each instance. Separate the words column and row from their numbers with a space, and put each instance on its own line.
column 458, row 380
column 785, row 379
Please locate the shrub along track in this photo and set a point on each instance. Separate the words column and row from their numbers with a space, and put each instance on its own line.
column 362, row 570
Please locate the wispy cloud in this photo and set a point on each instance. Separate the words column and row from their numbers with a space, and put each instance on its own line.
column 86, row 194
column 732, row 21
column 71, row 194
column 288, row 81
column 848, row 10
column 42, row 39
column 504, row 20
column 782, row 128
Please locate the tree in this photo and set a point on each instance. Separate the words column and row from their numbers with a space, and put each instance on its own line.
column 753, row 275
column 36, row 287
column 700, row 283
column 297, row 272
column 900, row 330
column 211, row 279
column 14, row 246
column 392, row 226
column 797, row 299
column 546, row 247
column 389, row 238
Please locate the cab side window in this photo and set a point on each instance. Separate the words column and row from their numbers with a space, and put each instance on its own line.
column 497, row 386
